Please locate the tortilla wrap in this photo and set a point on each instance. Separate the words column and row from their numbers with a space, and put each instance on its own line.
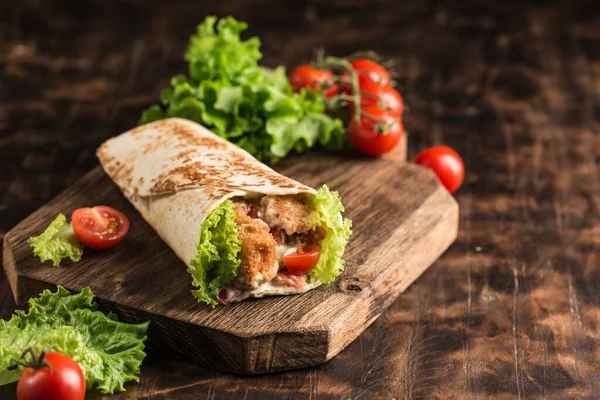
column 176, row 172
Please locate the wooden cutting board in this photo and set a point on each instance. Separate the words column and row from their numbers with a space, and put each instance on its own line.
column 403, row 221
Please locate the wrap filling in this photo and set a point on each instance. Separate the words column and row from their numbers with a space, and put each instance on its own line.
column 264, row 244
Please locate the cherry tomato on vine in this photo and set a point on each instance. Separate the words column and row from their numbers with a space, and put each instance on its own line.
column 447, row 165
column 370, row 69
column 377, row 131
column 384, row 97
column 304, row 76
column 54, row 376
column 99, row 227
column 367, row 70
column 303, row 260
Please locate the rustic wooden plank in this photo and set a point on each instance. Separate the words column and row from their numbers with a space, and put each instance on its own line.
column 403, row 220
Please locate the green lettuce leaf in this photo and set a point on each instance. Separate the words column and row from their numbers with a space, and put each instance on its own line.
column 109, row 352
column 249, row 105
column 56, row 243
column 328, row 207
column 216, row 263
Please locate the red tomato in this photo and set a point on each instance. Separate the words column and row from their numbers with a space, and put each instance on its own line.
column 371, row 70
column 304, row 76
column 99, row 227
column 367, row 71
column 384, row 97
column 376, row 133
column 447, row 165
column 60, row 379
column 303, row 260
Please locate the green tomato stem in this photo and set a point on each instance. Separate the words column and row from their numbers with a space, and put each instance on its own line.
column 343, row 64
column 336, row 63
column 35, row 362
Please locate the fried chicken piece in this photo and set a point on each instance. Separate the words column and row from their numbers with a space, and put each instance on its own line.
column 315, row 235
column 257, row 255
column 290, row 213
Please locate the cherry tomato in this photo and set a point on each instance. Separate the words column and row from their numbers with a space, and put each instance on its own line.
column 304, row 76
column 55, row 377
column 99, row 227
column 384, row 97
column 367, row 71
column 376, row 133
column 371, row 70
column 303, row 260
column 447, row 165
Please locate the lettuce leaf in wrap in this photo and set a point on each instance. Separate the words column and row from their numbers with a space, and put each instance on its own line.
column 216, row 263
column 329, row 206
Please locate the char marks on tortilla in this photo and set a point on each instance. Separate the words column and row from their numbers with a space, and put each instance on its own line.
column 175, row 154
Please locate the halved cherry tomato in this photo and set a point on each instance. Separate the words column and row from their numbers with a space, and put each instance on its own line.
column 304, row 76
column 99, row 227
column 447, row 165
column 384, row 97
column 55, row 376
column 376, row 133
column 303, row 260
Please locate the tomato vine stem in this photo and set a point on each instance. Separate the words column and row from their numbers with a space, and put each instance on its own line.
column 337, row 64
column 35, row 362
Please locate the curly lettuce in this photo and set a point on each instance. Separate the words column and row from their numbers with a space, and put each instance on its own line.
column 56, row 243
column 251, row 106
column 328, row 206
column 109, row 352
column 216, row 263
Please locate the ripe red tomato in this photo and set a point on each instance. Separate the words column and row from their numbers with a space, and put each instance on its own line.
column 447, row 165
column 371, row 70
column 384, row 97
column 368, row 71
column 303, row 260
column 376, row 133
column 99, row 227
column 57, row 378
column 304, row 76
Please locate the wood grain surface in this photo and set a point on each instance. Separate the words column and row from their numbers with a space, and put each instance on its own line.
column 403, row 220
column 511, row 309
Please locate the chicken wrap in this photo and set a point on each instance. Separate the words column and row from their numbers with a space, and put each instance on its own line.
column 242, row 229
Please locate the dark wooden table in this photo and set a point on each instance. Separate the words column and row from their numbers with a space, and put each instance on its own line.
column 511, row 310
